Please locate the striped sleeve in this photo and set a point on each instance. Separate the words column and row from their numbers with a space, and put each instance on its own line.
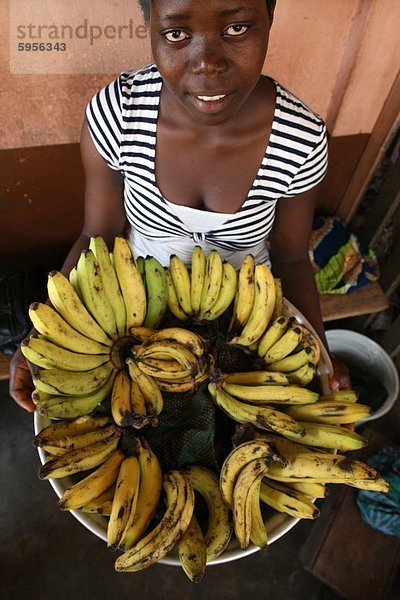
column 313, row 170
column 104, row 119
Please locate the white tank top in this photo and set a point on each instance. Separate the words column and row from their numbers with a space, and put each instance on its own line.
column 195, row 220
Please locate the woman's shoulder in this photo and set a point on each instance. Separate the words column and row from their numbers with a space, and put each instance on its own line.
column 134, row 80
column 291, row 105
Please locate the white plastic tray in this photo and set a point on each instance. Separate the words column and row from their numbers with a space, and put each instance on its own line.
column 277, row 525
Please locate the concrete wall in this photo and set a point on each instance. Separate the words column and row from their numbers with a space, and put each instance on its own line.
column 340, row 57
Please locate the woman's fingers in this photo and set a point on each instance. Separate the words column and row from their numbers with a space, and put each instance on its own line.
column 340, row 379
column 21, row 384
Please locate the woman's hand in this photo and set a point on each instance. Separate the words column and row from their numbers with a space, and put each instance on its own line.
column 21, row 384
column 340, row 379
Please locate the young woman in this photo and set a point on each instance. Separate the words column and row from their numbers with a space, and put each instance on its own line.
column 201, row 148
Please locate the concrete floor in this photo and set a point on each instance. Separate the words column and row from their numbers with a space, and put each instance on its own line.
column 46, row 554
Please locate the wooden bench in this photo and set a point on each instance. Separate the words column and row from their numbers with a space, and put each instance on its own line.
column 345, row 552
column 366, row 300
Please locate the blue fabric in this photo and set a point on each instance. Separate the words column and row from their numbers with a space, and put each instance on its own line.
column 342, row 262
column 382, row 510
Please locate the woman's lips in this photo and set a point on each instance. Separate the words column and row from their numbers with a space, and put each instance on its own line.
column 211, row 103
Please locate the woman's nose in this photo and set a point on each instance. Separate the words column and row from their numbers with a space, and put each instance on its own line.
column 209, row 59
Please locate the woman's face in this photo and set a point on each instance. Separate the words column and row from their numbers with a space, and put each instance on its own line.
column 210, row 54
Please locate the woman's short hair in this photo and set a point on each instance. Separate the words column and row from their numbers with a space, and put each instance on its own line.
column 145, row 6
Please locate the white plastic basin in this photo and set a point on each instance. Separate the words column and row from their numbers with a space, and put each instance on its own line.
column 361, row 351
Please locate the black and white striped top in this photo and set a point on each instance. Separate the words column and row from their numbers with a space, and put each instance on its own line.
column 122, row 120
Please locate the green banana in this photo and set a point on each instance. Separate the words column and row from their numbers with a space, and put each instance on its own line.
column 156, row 292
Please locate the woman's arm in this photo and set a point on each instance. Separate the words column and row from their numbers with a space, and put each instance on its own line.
column 105, row 216
column 289, row 251
column 104, row 211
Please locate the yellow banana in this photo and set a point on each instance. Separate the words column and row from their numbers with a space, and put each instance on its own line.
column 258, row 531
column 175, row 350
column 245, row 296
column 148, row 498
column 212, row 282
column 257, row 378
column 130, row 282
column 94, row 293
column 261, row 417
column 159, row 541
column 311, row 490
column 330, row 413
column 197, row 275
column 70, row 407
column 110, row 281
column 303, row 375
column 138, row 406
column 328, row 468
column 141, row 333
column 79, row 460
column 178, row 374
column 287, row 500
column 293, row 362
column 192, row 551
column 219, row 528
column 278, row 308
column 310, row 341
column 284, row 346
column 274, row 332
column 172, row 300
column 181, row 280
column 181, row 387
column 226, row 293
column 102, row 504
column 68, row 304
column 45, row 354
column 93, row 485
column 340, row 395
column 151, row 392
column 263, row 306
column 74, row 442
column 239, row 457
column 183, row 336
column 121, row 400
column 125, row 499
column 331, row 436
column 53, row 327
column 275, row 394
column 73, row 279
column 77, row 383
column 247, row 484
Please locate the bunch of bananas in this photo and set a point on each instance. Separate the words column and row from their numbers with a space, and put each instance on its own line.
column 258, row 300
column 79, row 338
column 204, row 292
column 174, row 358
column 106, row 336
column 251, row 471
column 78, row 445
column 304, row 417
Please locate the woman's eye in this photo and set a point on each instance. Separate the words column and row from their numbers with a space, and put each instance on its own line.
column 176, row 35
column 236, row 29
